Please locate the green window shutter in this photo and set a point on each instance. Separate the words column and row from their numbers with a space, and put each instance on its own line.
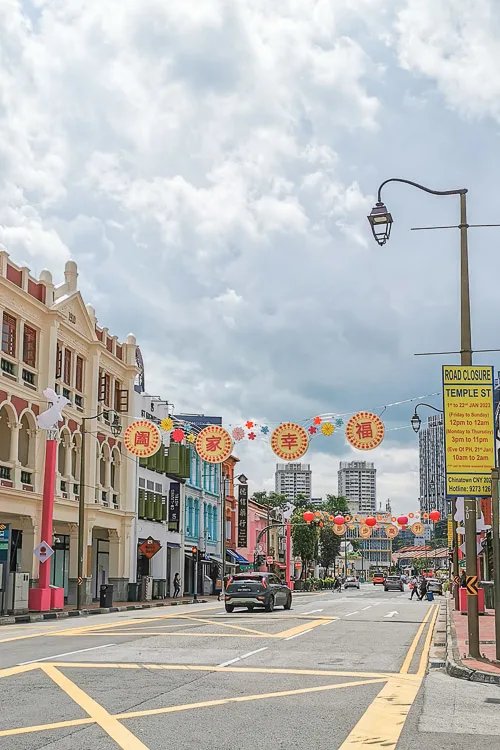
column 142, row 503
column 174, row 459
column 150, row 505
column 158, row 508
column 185, row 462
column 164, row 509
column 143, row 462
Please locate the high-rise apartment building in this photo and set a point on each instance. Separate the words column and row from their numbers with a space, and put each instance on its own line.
column 292, row 480
column 357, row 483
column 432, row 476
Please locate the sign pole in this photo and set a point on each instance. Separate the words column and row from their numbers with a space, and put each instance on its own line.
column 288, row 553
column 81, row 517
column 195, row 590
column 495, row 521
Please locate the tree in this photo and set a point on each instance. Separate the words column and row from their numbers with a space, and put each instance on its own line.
column 336, row 504
column 440, row 530
column 301, row 502
column 305, row 539
column 329, row 547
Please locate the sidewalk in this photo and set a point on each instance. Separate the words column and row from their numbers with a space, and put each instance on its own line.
column 95, row 609
column 486, row 669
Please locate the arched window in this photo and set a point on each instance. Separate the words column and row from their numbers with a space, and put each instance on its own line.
column 210, row 522
column 62, row 452
column 26, row 449
column 196, row 518
column 104, row 462
column 76, row 456
column 115, row 470
column 214, row 534
column 7, row 419
column 189, row 520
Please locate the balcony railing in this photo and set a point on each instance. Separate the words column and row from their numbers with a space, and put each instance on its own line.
column 64, row 486
column 26, row 477
column 29, row 377
column 8, row 367
column 5, row 472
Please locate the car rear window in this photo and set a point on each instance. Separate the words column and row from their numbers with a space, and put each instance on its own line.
column 396, row 579
column 248, row 579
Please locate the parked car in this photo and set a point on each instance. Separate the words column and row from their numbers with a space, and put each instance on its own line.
column 257, row 590
column 394, row 583
column 435, row 585
column 351, row 582
column 378, row 578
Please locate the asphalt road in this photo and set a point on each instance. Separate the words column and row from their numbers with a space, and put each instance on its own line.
column 337, row 671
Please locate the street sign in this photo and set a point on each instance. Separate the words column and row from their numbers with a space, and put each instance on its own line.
column 150, row 547
column 44, row 552
column 469, row 429
column 471, row 585
column 269, row 559
column 456, row 579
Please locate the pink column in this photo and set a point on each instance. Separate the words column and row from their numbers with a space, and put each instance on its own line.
column 288, row 552
column 43, row 598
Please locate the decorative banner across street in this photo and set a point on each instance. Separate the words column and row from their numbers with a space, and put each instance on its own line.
column 417, row 528
column 242, row 515
column 364, row 531
column 391, row 532
column 469, row 429
column 289, row 441
column 339, row 528
column 142, row 438
column 364, row 431
column 214, row 444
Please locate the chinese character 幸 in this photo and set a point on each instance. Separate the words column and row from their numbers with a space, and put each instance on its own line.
column 289, row 440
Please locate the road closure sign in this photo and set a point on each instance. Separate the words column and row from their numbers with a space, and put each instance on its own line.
column 469, row 429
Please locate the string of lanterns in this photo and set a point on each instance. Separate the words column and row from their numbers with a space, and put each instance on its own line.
column 390, row 524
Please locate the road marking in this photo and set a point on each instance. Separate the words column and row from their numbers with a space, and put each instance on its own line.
column 376, row 604
column 383, row 721
column 245, row 656
column 312, row 611
column 224, row 625
column 391, row 614
column 291, row 637
column 305, row 626
column 411, row 651
column 352, row 613
column 186, row 635
column 120, row 734
column 68, row 653
column 112, row 720
column 368, row 607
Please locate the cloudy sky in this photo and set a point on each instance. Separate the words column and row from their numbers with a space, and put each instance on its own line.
column 210, row 164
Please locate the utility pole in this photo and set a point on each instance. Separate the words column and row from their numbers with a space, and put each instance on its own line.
column 495, row 521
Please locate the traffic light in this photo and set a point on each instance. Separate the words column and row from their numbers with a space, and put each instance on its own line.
column 194, row 552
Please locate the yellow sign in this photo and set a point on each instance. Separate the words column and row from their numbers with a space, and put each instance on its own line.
column 214, row 444
column 471, row 585
column 469, row 429
column 364, row 431
column 289, row 441
column 450, row 530
column 142, row 438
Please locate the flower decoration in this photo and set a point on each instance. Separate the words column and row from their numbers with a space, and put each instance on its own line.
column 327, row 429
column 167, row 424
column 317, row 420
column 191, row 438
column 264, row 429
column 238, row 433
column 249, row 425
column 251, row 436
column 312, row 429
column 339, row 422
column 178, row 435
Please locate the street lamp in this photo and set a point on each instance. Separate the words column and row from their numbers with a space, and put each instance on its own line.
column 116, row 429
column 415, row 421
column 381, row 222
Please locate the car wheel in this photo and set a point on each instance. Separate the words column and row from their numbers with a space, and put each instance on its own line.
column 288, row 603
column 250, row 607
column 385, row 589
column 269, row 606
column 229, row 607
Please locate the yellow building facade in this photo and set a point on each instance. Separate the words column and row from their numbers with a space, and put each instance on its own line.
column 51, row 339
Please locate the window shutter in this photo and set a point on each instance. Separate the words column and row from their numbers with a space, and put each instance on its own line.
column 59, row 357
column 102, row 387
column 122, row 401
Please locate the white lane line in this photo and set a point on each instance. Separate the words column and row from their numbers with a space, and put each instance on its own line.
column 68, row 653
column 352, row 613
column 291, row 637
column 312, row 611
column 391, row 614
column 376, row 604
column 368, row 607
column 245, row 656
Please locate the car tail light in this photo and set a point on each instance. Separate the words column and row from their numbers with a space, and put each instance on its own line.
column 264, row 583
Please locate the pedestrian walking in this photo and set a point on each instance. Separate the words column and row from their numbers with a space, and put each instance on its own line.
column 422, row 588
column 413, row 587
column 177, row 585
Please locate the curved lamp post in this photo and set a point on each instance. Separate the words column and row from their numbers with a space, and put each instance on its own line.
column 116, row 429
column 415, row 421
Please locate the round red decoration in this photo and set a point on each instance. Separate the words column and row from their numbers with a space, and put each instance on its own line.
column 317, row 420
column 339, row 520
column 403, row 520
column 249, row 424
column 364, row 431
column 371, row 521
column 178, row 435
column 251, row 435
column 312, row 430
column 308, row 516
column 435, row 515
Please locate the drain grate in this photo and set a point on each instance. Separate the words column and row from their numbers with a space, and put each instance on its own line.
column 492, row 700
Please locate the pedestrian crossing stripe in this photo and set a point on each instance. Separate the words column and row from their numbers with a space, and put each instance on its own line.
column 471, row 585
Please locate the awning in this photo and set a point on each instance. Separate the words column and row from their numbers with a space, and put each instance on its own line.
column 173, row 544
column 237, row 557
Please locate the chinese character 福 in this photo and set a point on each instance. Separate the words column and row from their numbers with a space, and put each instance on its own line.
column 364, row 430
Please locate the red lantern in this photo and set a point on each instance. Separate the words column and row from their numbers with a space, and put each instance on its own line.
column 403, row 520
column 435, row 515
column 308, row 516
column 339, row 520
column 371, row 521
